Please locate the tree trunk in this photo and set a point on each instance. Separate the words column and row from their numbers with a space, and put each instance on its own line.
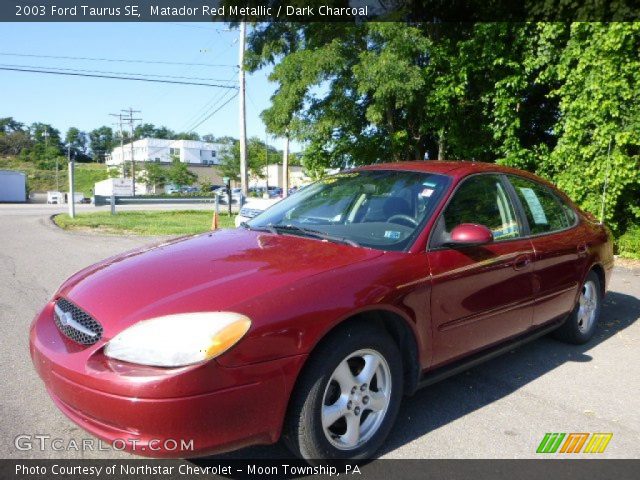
column 441, row 145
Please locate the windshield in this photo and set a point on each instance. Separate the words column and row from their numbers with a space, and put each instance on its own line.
column 383, row 209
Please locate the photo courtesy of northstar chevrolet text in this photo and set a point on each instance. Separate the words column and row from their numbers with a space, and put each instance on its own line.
column 304, row 239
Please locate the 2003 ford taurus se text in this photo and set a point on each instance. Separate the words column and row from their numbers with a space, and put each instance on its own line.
column 312, row 320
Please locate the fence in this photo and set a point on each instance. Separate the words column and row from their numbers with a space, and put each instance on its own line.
column 113, row 200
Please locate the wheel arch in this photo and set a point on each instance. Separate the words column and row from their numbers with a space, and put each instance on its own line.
column 598, row 269
column 401, row 330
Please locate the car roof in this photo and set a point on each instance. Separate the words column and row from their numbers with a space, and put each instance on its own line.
column 456, row 169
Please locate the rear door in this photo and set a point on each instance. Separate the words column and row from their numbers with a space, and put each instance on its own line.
column 480, row 295
column 559, row 248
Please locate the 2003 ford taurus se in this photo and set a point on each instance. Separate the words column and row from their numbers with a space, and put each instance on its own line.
column 312, row 320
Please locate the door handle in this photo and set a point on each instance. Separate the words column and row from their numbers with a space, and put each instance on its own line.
column 521, row 262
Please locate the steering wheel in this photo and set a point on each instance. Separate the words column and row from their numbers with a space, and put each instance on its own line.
column 401, row 216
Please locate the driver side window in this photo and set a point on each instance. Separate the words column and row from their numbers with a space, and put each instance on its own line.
column 483, row 200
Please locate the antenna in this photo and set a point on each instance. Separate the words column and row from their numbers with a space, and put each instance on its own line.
column 606, row 181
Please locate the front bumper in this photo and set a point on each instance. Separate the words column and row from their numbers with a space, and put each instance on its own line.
column 156, row 412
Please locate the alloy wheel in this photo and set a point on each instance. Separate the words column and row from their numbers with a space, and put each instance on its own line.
column 587, row 306
column 356, row 399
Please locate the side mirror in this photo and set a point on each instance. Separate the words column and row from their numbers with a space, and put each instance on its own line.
column 470, row 235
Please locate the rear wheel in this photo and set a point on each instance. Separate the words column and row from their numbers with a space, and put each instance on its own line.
column 581, row 325
column 348, row 396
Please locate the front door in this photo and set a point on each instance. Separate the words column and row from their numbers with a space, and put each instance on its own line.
column 480, row 295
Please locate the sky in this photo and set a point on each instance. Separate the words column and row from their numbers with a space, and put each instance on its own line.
column 85, row 103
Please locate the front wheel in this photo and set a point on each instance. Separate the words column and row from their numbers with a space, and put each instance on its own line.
column 581, row 324
column 347, row 398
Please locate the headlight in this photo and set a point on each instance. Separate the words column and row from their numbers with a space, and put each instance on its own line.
column 178, row 340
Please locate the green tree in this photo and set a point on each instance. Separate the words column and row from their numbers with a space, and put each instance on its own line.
column 79, row 142
column 102, row 141
column 258, row 155
column 165, row 133
column 186, row 136
column 45, row 146
column 13, row 137
column 145, row 130
column 9, row 125
column 154, row 175
column 599, row 77
column 380, row 91
column 179, row 174
column 546, row 97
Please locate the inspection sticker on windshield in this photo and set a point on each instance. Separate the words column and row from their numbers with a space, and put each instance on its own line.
column 392, row 234
column 426, row 192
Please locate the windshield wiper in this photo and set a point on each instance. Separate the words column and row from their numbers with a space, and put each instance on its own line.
column 312, row 233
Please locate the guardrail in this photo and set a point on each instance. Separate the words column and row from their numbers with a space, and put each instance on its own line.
column 113, row 200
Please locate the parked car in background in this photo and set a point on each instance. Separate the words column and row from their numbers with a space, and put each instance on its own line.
column 171, row 189
column 314, row 320
column 223, row 195
column 257, row 191
column 252, row 208
column 55, row 197
column 274, row 192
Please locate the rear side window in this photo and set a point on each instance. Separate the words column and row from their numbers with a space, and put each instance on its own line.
column 544, row 210
column 481, row 199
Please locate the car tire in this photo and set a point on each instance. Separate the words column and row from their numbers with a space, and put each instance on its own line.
column 347, row 398
column 581, row 324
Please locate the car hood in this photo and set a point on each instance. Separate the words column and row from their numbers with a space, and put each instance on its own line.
column 217, row 271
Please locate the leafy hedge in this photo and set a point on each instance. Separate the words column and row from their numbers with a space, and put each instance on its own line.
column 628, row 245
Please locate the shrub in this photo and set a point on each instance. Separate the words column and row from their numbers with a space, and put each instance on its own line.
column 629, row 243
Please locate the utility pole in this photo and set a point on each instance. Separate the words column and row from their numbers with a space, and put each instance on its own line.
column 72, row 166
column 119, row 124
column 285, row 166
column 129, row 118
column 242, row 114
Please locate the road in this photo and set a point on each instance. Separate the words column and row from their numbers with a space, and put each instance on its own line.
column 501, row 409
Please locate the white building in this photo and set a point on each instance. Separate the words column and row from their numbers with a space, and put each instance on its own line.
column 160, row 150
column 275, row 174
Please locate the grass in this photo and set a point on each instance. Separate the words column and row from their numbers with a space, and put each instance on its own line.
column 172, row 222
column 39, row 180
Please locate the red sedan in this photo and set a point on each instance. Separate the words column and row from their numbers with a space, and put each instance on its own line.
column 312, row 320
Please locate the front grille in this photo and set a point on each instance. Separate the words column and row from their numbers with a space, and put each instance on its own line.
column 249, row 212
column 82, row 328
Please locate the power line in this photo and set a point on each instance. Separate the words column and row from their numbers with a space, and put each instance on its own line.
column 214, row 112
column 84, row 70
column 121, row 60
column 215, row 98
column 163, row 91
column 117, row 77
column 209, row 106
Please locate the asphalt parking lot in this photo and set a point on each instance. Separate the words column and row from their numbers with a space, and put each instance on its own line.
column 501, row 409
